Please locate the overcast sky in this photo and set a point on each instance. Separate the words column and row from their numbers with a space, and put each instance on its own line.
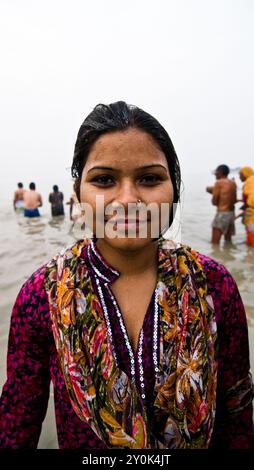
column 190, row 63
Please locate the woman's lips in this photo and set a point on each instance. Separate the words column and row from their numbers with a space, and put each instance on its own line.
column 124, row 225
column 127, row 222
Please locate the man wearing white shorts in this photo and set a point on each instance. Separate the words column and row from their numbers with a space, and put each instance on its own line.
column 224, row 197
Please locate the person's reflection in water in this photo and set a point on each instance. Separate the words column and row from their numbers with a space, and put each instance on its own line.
column 32, row 225
column 57, row 222
column 223, row 254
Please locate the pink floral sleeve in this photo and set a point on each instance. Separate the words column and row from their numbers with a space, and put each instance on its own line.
column 25, row 395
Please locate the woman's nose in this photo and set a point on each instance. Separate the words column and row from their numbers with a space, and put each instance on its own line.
column 127, row 193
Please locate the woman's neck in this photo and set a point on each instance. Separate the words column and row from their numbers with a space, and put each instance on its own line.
column 129, row 262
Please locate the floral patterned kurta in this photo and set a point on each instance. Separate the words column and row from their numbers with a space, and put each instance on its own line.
column 33, row 362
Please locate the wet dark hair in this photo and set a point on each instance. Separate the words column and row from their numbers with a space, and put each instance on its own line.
column 32, row 186
column 118, row 117
column 55, row 188
column 20, row 185
column 224, row 170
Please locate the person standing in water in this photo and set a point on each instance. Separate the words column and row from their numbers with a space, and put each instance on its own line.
column 32, row 200
column 224, row 197
column 18, row 198
column 247, row 177
column 56, row 200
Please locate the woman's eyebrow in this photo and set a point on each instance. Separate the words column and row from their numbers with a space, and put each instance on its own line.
column 143, row 167
column 153, row 165
column 101, row 168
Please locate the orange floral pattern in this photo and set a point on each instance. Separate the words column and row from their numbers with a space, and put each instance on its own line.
column 183, row 411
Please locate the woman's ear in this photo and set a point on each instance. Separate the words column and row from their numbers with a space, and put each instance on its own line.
column 77, row 188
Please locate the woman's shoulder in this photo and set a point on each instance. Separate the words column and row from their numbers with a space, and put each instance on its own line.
column 217, row 274
column 72, row 252
column 220, row 282
column 219, row 278
column 36, row 280
column 208, row 263
column 32, row 304
column 213, row 268
column 33, row 286
column 30, row 313
column 222, row 287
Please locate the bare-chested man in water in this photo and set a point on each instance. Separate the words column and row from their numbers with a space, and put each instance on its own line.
column 18, row 198
column 32, row 200
column 224, row 197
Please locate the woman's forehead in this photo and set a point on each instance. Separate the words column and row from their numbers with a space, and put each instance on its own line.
column 131, row 147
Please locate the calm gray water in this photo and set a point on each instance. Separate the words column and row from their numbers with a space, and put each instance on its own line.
column 26, row 244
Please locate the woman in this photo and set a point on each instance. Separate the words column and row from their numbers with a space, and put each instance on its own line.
column 56, row 200
column 247, row 176
column 145, row 341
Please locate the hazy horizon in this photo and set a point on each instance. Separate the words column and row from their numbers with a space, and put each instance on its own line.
column 189, row 63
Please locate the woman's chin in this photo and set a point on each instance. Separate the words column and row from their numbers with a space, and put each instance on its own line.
column 127, row 243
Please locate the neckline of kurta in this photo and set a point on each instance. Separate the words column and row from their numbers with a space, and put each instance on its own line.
column 140, row 364
column 108, row 274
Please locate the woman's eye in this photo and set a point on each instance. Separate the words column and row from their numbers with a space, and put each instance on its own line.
column 150, row 179
column 103, row 180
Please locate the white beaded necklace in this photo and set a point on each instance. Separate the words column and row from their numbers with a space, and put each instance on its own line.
column 123, row 328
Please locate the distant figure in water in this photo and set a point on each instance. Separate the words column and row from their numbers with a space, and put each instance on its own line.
column 18, row 198
column 56, row 200
column 247, row 177
column 32, row 200
column 75, row 211
column 224, row 194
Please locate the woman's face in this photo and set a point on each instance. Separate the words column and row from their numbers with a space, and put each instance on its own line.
column 125, row 166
